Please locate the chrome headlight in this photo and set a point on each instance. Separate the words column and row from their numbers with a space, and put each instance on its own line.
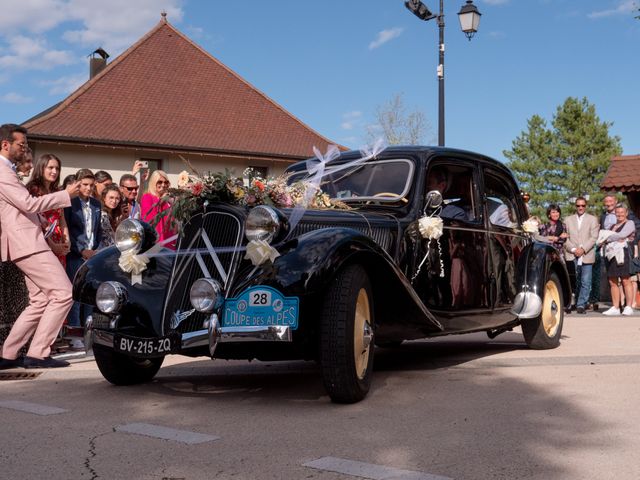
column 110, row 297
column 262, row 223
column 206, row 295
column 129, row 235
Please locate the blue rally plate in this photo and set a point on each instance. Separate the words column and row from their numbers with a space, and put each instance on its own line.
column 261, row 306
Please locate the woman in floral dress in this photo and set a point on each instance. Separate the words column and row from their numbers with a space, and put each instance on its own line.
column 45, row 180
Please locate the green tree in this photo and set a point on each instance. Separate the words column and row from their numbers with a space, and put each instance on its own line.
column 565, row 161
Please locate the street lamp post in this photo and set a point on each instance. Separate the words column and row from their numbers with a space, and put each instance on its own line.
column 469, row 17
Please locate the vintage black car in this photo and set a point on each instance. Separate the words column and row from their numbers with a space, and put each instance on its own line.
column 344, row 280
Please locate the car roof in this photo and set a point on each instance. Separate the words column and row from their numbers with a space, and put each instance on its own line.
column 427, row 152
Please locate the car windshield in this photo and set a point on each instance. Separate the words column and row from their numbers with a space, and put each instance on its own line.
column 380, row 180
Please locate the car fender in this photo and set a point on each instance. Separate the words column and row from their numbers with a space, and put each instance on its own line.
column 307, row 265
column 538, row 261
column 145, row 299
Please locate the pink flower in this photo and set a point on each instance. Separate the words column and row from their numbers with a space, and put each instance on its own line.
column 196, row 188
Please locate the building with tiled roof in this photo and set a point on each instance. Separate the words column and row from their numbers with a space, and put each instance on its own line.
column 624, row 176
column 163, row 98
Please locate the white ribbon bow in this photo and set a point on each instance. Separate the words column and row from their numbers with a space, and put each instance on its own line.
column 259, row 251
column 316, row 167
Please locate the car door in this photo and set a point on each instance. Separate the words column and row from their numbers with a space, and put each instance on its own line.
column 455, row 286
column 504, row 216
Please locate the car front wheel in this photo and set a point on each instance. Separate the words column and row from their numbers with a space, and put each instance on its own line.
column 123, row 370
column 544, row 331
column 346, row 336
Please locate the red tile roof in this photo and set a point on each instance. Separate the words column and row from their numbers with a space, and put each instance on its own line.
column 623, row 174
column 166, row 91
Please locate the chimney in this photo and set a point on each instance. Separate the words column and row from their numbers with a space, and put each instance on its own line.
column 97, row 62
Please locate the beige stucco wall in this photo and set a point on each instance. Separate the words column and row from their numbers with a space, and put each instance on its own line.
column 118, row 161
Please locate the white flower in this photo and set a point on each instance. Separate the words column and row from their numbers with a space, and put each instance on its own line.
column 430, row 227
column 530, row 226
column 259, row 251
column 183, row 178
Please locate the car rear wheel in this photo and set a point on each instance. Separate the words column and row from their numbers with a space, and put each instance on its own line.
column 544, row 332
column 346, row 336
column 120, row 369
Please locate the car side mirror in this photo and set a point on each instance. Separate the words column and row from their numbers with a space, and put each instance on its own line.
column 433, row 200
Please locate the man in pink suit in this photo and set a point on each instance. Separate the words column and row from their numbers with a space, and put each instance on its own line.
column 22, row 242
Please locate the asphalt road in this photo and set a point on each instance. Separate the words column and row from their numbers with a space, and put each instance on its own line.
column 462, row 407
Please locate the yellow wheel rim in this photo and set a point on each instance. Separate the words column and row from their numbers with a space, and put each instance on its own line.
column 551, row 308
column 362, row 334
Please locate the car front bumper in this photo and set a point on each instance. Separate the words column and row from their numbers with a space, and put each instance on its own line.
column 210, row 337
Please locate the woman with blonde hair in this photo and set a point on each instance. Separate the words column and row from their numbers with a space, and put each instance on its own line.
column 617, row 259
column 153, row 203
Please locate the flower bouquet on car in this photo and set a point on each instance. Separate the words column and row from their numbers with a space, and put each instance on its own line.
column 194, row 192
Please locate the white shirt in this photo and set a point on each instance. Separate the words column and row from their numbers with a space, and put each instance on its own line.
column 580, row 217
column 8, row 163
column 609, row 220
column 88, row 217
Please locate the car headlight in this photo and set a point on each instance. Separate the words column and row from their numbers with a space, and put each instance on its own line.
column 110, row 297
column 263, row 223
column 206, row 295
column 129, row 235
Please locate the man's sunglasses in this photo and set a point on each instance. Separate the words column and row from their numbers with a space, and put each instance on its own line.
column 131, row 189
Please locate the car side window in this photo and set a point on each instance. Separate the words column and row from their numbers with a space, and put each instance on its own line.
column 500, row 204
column 455, row 183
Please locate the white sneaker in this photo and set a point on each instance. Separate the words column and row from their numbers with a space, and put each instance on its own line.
column 77, row 345
column 612, row 311
column 627, row 310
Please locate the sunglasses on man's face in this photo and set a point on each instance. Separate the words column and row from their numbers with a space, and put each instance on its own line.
column 131, row 189
column 581, row 205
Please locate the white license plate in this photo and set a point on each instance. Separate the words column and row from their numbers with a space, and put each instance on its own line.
column 145, row 347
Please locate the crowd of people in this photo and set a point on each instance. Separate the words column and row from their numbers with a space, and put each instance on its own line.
column 48, row 228
column 591, row 244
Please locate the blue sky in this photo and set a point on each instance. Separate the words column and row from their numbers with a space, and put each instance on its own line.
column 331, row 63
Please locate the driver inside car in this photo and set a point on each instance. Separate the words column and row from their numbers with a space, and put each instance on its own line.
column 439, row 179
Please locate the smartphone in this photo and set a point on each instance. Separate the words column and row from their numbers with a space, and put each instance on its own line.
column 144, row 164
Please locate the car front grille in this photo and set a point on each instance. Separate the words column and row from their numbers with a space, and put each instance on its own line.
column 223, row 230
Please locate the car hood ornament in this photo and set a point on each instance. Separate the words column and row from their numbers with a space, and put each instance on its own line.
column 179, row 316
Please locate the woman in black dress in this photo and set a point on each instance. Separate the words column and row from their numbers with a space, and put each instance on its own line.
column 617, row 259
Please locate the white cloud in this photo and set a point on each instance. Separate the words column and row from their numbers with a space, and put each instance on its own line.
column 624, row 7
column 384, row 36
column 351, row 119
column 496, row 2
column 36, row 16
column 26, row 53
column 497, row 34
column 13, row 97
column 64, row 85
column 86, row 25
column 116, row 24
